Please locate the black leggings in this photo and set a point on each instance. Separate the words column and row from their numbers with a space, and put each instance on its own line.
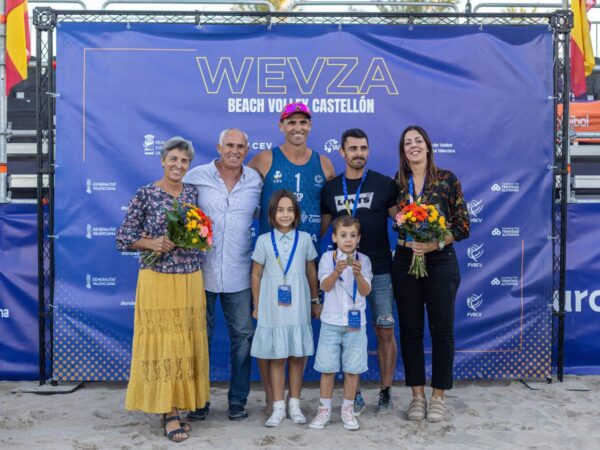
column 437, row 292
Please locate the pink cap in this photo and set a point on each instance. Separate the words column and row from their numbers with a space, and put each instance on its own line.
column 294, row 108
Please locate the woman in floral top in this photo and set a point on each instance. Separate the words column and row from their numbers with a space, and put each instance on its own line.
column 169, row 364
column 419, row 180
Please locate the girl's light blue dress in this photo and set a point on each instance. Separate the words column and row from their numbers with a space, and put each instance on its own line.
column 283, row 331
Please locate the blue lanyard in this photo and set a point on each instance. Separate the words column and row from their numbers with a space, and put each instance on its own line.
column 355, row 284
column 411, row 189
column 356, row 198
column 289, row 263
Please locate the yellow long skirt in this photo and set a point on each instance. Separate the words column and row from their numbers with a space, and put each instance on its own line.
column 169, row 363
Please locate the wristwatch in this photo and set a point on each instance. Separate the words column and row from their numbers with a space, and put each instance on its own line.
column 441, row 245
column 316, row 301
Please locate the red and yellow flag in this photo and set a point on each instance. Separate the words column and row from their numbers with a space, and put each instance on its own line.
column 17, row 42
column 582, row 53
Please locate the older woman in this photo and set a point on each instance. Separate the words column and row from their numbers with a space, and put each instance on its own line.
column 419, row 180
column 169, row 364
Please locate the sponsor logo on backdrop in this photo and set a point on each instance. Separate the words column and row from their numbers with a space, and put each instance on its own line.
column 365, row 200
column 151, row 145
column 92, row 281
column 303, row 217
column 580, row 301
column 505, row 281
column 505, row 187
column 128, row 303
column 443, row 147
column 253, row 231
column 91, row 231
column 134, row 254
column 261, row 146
column 506, row 232
column 314, row 218
column 4, row 313
column 99, row 186
column 331, row 145
column 475, row 207
column 474, row 302
column 347, row 82
column 474, row 252
column 579, row 122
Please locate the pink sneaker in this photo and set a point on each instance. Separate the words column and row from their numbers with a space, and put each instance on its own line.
column 348, row 419
column 322, row 418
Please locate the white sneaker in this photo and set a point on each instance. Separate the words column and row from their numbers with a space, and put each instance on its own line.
column 322, row 418
column 348, row 419
column 276, row 417
column 295, row 413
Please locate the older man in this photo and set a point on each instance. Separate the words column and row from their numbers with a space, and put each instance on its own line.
column 229, row 193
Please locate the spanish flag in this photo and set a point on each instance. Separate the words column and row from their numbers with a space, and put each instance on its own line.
column 17, row 42
column 582, row 54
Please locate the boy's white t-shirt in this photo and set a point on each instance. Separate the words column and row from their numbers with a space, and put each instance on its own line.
column 338, row 301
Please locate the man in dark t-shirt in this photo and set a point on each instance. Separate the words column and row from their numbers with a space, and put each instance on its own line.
column 377, row 200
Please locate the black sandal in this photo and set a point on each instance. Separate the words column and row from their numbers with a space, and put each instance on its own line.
column 171, row 434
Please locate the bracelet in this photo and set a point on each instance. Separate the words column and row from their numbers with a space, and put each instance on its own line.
column 316, row 301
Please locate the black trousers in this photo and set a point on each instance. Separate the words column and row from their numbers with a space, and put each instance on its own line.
column 437, row 293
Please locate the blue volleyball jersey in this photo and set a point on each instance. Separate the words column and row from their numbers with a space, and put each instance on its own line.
column 306, row 182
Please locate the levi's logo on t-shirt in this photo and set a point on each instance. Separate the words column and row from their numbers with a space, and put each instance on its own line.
column 365, row 201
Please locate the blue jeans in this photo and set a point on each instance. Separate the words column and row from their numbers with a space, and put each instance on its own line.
column 381, row 301
column 237, row 308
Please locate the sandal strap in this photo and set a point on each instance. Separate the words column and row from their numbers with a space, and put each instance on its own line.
column 172, row 434
column 170, row 419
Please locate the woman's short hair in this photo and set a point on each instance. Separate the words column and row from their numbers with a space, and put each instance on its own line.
column 274, row 202
column 179, row 143
column 345, row 221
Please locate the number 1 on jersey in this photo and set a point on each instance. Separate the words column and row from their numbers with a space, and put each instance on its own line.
column 297, row 176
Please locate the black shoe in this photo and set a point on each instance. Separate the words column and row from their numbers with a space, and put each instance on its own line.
column 237, row 412
column 199, row 414
column 385, row 400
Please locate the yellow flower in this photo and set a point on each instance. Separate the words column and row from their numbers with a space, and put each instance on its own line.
column 193, row 224
column 194, row 240
column 413, row 219
column 442, row 220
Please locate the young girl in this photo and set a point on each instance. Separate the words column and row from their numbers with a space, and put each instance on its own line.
column 284, row 280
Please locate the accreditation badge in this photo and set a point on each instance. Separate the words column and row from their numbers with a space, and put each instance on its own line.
column 354, row 320
column 284, row 295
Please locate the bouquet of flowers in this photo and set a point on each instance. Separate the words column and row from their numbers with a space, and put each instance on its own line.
column 423, row 223
column 187, row 227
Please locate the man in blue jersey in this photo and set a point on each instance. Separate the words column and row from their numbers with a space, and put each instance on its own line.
column 297, row 168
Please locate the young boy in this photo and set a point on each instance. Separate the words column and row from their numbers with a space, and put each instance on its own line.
column 345, row 276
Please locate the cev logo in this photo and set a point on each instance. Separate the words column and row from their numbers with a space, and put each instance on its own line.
column 495, row 187
column 496, row 232
column 277, row 176
column 475, row 251
column 474, row 301
column 495, row 282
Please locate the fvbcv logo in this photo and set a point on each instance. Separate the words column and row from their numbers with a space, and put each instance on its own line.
column 474, row 252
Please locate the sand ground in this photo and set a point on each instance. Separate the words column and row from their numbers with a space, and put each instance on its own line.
column 482, row 415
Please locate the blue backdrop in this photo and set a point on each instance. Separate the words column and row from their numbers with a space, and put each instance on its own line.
column 582, row 297
column 18, row 292
column 485, row 95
